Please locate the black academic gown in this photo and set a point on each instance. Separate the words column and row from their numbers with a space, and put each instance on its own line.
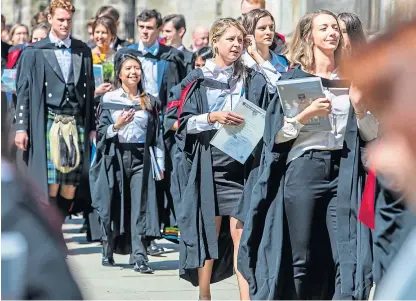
column 193, row 181
column 174, row 73
column 187, row 60
column 393, row 223
column 263, row 258
column 47, row 275
column 31, row 95
column 107, row 183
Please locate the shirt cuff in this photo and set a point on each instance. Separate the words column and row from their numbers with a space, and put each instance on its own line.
column 199, row 123
column 160, row 158
column 368, row 127
column 290, row 130
column 21, row 131
column 110, row 132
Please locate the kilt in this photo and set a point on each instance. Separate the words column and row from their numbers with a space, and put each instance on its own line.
column 55, row 176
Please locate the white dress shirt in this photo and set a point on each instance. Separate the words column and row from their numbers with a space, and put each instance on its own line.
column 218, row 100
column 333, row 140
column 64, row 55
column 152, row 69
column 135, row 131
column 270, row 69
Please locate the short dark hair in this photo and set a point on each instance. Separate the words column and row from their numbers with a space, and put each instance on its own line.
column 149, row 14
column 178, row 21
column 107, row 10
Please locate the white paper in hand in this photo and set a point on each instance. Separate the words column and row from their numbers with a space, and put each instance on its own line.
column 239, row 141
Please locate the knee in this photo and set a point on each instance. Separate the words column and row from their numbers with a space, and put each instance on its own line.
column 68, row 192
column 236, row 228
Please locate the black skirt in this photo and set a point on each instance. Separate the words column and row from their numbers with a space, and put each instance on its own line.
column 228, row 182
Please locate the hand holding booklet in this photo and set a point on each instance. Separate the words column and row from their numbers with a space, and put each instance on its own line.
column 239, row 141
column 297, row 94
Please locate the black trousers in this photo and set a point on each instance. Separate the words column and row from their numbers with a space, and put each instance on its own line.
column 310, row 201
column 133, row 179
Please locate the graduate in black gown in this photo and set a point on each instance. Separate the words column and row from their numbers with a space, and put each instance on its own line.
column 171, row 123
column 123, row 176
column 163, row 68
column 55, row 90
column 210, row 182
column 304, row 206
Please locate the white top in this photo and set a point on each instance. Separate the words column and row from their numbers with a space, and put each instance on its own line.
column 64, row 55
column 333, row 140
column 270, row 69
column 135, row 131
column 152, row 69
column 218, row 100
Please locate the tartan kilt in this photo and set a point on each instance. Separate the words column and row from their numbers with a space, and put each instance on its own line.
column 55, row 176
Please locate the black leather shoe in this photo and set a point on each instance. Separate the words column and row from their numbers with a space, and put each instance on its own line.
column 143, row 268
column 154, row 249
column 108, row 262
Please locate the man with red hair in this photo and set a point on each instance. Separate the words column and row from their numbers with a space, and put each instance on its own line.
column 55, row 92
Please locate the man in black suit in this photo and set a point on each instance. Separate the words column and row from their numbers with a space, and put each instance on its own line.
column 174, row 28
column 55, row 87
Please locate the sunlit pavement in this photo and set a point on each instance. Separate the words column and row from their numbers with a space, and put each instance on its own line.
column 122, row 283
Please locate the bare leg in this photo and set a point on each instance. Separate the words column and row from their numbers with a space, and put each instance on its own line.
column 68, row 192
column 204, row 273
column 53, row 190
column 236, row 228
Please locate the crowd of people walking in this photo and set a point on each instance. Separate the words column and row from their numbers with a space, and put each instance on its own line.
column 305, row 216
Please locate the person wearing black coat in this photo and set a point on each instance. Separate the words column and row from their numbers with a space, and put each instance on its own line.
column 301, row 237
column 209, row 182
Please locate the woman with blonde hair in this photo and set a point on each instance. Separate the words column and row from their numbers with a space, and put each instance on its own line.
column 210, row 183
column 19, row 34
column 123, row 175
column 304, row 206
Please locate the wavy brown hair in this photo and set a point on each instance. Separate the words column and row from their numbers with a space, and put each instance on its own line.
column 300, row 50
column 217, row 30
column 144, row 99
column 109, row 23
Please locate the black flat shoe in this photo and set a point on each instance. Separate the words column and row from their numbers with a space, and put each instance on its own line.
column 108, row 262
column 143, row 267
column 154, row 249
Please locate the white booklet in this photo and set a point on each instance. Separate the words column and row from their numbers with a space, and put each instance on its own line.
column 239, row 141
column 297, row 94
column 156, row 171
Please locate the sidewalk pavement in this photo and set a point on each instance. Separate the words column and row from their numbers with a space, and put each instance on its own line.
column 122, row 283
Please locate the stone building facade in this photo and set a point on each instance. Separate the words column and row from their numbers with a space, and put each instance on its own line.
column 373, row 13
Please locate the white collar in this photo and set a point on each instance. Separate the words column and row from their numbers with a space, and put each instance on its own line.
column 55, row 40
column 212, row 70
column 154, row 49
column 181, row 48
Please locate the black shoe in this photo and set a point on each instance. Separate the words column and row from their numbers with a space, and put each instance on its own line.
column 143, row 268
column 84, row 228
column 108, row 262
column 154, row 249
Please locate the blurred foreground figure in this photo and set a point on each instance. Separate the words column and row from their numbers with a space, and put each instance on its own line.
column 385, row 72
column 33, row 263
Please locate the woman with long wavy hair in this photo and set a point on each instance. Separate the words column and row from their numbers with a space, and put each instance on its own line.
column 304, row 206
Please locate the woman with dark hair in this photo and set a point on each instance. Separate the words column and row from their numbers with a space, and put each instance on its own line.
column 352, row 31
column 302, row 230
column 209, row 182
column 260, row 27
column 130, row 156
column 201, row 56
